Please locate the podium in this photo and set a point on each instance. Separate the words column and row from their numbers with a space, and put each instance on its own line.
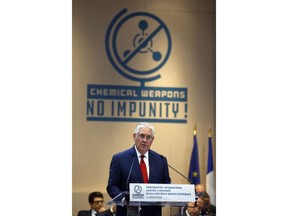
column 172, row 195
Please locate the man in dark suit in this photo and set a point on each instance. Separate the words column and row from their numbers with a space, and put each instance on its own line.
column 204, row 205
column 190, row 210
column 96, row 200
column 125, row 169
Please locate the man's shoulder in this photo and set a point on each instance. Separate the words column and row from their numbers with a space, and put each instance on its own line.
column 105, row 213
column 84, row 213
column 155, row 155
column 212, row 208
column 130, row 151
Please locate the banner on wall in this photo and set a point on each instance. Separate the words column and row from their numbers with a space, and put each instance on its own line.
column 140, row 61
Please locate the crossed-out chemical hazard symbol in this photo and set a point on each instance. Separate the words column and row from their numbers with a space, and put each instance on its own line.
column 138, row 45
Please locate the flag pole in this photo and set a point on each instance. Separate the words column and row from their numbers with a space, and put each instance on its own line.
column 194, row 171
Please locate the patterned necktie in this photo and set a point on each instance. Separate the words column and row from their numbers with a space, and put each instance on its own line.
column 143, row 169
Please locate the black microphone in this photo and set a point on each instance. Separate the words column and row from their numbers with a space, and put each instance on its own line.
column 177, row 171
column 128, row 177
column 196, row 194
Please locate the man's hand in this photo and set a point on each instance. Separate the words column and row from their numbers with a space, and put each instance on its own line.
column 101, row 209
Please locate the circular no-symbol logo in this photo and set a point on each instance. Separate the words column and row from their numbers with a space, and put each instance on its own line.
column 138, row 45
column 137, row 189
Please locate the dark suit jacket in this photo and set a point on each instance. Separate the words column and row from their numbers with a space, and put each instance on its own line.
column 84, row 213
column 211, row 210
column 88, row 213
column 179, row 214
column 118, row 181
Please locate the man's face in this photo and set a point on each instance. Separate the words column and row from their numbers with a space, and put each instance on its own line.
column 203, row 203
column 192, row 209
column 97, row 203
column 143, row 140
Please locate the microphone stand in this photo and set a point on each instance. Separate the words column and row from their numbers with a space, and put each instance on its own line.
column 181, row 174
column 196, row 194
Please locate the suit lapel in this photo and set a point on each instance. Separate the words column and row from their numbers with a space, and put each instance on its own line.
column 152, row 171
column 137, row 170
column 136, row 167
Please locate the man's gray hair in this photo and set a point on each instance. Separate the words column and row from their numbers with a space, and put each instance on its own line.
column 144, row 125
